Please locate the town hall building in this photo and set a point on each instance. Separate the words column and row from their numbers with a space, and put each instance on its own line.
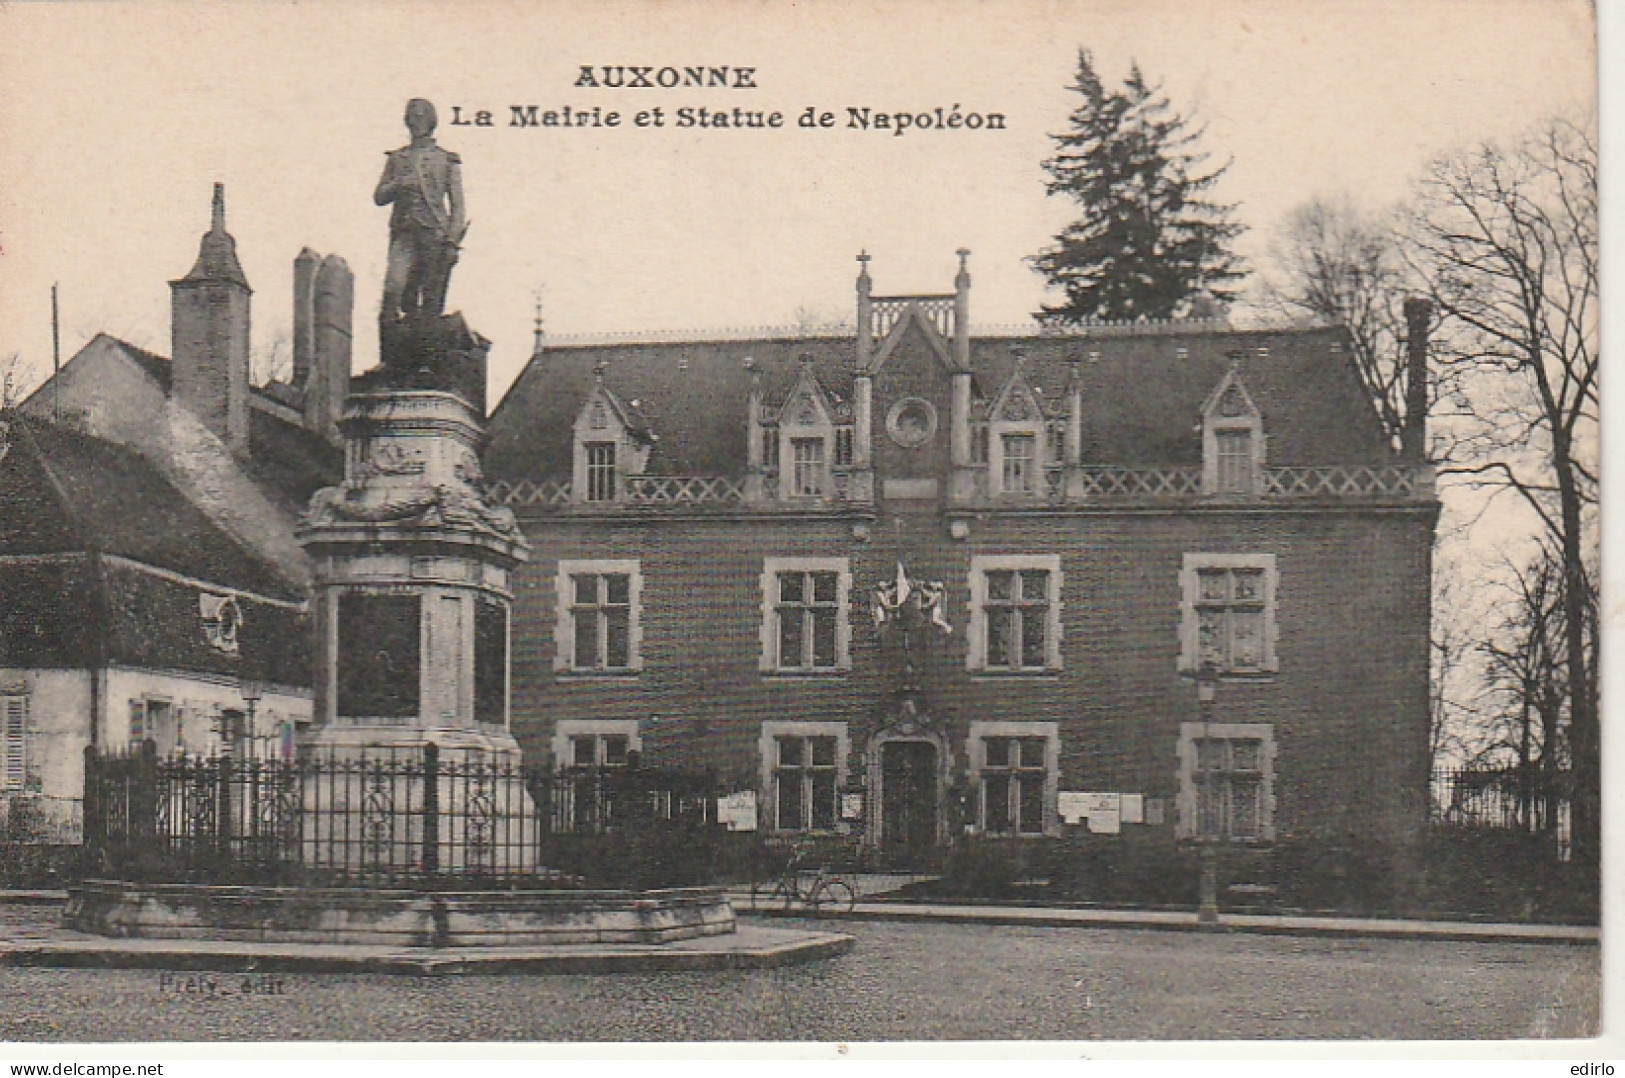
column 916, row 581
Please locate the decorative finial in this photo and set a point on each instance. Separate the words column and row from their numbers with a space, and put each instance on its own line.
column 863, row 257
column 599, row 368
column 806, row 359
column 538, row 326
column 217, row 220
column 964, row 257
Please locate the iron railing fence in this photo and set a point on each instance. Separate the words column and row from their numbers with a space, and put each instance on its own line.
column 1532, row 799
column 400, row 818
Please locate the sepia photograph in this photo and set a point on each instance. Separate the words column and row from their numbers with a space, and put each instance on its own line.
column 1070, row 524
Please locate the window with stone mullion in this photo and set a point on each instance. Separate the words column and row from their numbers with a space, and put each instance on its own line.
column 807, row 610
column 1230, row 787
column 1013, row 779
column 804, row 780
column 602, row 610
column 1230, row 618
column 1017, row 611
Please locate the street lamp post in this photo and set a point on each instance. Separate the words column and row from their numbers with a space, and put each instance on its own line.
column 251, row 692
column 1207, row 836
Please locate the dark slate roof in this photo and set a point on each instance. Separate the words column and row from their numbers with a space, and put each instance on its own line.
column 1142, row 399
column 159, row 367
column 217, row 251
column 288, row 462
column 66, row 492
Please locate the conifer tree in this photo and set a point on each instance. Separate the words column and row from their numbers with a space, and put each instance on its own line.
column 1149, row 238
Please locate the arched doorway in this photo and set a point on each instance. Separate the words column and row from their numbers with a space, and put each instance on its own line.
column 908, row 784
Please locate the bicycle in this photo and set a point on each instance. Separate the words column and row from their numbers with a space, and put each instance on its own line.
column 816, row 888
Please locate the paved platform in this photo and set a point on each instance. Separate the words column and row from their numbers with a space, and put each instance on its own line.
column 1183, row 921
column 1178, row 921
column 752, row 947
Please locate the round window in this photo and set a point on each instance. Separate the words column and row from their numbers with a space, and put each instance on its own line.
column 911, row 422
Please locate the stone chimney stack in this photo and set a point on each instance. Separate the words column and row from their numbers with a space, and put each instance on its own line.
column 328, row 382
column 209, row 327
column 304, row 314
column 1413, row 438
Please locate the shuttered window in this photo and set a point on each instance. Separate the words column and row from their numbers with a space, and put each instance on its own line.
column 13, row 741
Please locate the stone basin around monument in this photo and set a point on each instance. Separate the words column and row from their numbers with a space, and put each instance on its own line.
column 395, row 917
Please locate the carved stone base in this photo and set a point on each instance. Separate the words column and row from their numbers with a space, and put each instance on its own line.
column 401, row 918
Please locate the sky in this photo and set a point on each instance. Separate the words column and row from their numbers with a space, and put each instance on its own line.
column 116, row 119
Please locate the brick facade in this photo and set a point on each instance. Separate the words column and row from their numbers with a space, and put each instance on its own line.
column 1344, row 523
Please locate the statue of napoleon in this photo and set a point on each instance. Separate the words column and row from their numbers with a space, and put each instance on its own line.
column 426, row 226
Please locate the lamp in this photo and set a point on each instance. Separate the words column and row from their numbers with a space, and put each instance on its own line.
column 1207, row 837
column 251, row 692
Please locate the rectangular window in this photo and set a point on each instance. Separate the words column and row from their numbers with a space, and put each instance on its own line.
column 1013, row 777
column 601, row 612
column 1020, row 463
column 805, row 776
column 1230, row 618
column 586, row 797
column 807, row 479
column 1235, row 462
column 600, row 471
column 599, row 750
column 13, row 742
column 1016, row 613
column 1225, row 778
column 1055, row 442
column 843, row 447
column 978, row 443
column 807, row 609
column 805, row 626
column 770, row 449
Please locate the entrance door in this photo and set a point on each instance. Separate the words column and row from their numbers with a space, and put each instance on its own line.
column 908, row 800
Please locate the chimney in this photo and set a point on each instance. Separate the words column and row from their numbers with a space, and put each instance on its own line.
column 1413, row 438
column 304, row 316
column 209, row 327
column 332, row 301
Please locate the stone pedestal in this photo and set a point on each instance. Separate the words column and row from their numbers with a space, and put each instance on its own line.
column 412, row 602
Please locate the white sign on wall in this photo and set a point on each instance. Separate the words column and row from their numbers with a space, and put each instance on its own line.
column 737, row 811
column 1103, row 812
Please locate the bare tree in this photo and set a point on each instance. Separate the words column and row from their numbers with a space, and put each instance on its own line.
column 1506, row 239
column 1333, row 261
column 1528, row 669
column 275, row 363
column 1454, row 722
column 16, row 381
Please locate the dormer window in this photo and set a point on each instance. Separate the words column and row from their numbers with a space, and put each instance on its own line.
column 807, row 477
column 600, row 471
column 1232, row 439
column 612, row 440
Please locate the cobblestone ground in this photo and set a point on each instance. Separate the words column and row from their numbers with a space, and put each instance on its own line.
column 901, row 981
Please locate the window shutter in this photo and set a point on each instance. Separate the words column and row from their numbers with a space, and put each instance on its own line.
column 138, row 721
column 13, row 731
